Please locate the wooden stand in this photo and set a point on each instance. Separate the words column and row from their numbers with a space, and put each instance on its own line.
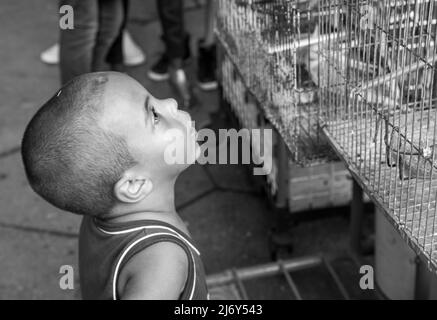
column 356, row 218
column 423, row 281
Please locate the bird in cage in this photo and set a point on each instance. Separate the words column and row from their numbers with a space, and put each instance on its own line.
column 410, row 56
column 412, row 148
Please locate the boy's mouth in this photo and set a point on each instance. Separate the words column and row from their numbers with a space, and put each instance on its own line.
column 184, row 116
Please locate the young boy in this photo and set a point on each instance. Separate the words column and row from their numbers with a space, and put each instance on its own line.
column 97, row 148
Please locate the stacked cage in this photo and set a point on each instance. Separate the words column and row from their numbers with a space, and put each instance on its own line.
column 267, row 53
column 378, row 105
column 269, row 74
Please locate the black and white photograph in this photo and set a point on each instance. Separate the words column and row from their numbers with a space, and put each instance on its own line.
column 236, row 151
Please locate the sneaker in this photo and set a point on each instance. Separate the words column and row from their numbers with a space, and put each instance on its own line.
column 132, row 53
column 51, row 55
column 206, row 67
column 160, row 70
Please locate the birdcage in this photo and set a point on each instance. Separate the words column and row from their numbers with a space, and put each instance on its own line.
column 377, row 105
column 269, row 68
column 270, row 46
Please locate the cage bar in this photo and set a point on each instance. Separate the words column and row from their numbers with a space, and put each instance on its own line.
column 235, row 277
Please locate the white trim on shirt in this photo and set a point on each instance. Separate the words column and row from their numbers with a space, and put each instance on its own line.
column 151, row 227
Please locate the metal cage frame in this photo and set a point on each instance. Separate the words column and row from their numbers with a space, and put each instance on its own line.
column 269, row 44
column 378, row 106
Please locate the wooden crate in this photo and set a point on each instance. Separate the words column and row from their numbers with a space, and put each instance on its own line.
column 319, row 186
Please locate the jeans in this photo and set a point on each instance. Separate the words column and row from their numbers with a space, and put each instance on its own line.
column 97, row 24
column 171, row 15
column 115, row 54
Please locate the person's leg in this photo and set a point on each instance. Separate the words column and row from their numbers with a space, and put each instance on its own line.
column 171, row 16
column 210, row 14
column 175, row 38
column 124, row 51
column 77, row 45
column 206, row 55
column 110, row 22
column 132, row 54
column 115, row 55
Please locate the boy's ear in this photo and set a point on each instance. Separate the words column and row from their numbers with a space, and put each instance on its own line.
column 132, row 189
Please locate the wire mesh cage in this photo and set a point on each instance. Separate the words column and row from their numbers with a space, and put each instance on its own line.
column 272, row 49
column 377, row 101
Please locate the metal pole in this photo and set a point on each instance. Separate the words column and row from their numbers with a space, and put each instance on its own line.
column 283, row 158
column 290, row 282
column 264, row 270
column 356, row 218
column 337, row 280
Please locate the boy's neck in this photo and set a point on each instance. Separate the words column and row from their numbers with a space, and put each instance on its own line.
column 170, row 218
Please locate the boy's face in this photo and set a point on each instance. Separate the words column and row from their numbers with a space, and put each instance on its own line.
column 155, row 130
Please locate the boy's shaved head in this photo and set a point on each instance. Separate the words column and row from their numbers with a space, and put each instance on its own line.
column 69, row 159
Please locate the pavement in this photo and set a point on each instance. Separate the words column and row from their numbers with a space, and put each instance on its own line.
column 226, row 214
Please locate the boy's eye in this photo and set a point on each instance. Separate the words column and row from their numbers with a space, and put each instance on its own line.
column 156, row 117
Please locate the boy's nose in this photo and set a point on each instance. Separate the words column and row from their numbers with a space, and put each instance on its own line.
column 173, row 107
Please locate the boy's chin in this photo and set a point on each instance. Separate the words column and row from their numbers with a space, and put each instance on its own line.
column 192, row 160
column 197, row 151
column 180, row 164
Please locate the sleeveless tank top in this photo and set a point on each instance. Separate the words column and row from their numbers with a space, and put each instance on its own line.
column 104, row 249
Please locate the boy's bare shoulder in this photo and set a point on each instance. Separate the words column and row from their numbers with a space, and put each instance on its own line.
column 158, row 272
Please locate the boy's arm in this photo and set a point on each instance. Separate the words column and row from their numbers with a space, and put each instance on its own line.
column 157, row 273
